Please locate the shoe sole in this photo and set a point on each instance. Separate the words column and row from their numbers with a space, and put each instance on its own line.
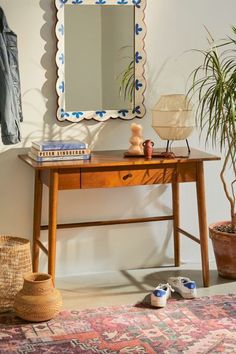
column 158, row 302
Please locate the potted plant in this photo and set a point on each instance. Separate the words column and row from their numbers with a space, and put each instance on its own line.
column 214, row 82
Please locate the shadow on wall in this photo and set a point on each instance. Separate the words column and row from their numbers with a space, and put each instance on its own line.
column 48, row 63
column 16, row 191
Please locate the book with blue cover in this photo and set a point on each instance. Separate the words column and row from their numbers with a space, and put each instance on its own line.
column 59, row 145
column 58, row 158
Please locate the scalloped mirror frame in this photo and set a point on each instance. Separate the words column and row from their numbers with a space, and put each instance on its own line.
column 140, row 59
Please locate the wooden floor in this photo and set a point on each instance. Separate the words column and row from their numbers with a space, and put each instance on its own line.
column 131, row 286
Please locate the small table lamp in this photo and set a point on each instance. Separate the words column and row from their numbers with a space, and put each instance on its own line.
column 172, row 118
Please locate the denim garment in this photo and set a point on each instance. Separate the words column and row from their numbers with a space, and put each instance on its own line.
column 10, row 95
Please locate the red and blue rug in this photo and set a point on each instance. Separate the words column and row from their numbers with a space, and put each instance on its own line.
column 203, row 325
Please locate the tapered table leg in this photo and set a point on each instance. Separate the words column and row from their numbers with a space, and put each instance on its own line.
column 38, row 188
column 175, row 208
column 202, row 223
column 52, row 224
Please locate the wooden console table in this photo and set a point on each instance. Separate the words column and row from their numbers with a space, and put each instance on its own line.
column 108, row 169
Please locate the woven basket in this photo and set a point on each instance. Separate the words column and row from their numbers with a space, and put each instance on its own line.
column 15, row 261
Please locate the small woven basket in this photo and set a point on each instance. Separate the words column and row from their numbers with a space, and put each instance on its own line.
column 15, row 261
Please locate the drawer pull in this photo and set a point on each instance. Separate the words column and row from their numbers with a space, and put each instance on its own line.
column 127, row 176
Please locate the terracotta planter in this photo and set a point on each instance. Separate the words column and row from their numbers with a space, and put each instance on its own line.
column 38, row 300
column 224, row 245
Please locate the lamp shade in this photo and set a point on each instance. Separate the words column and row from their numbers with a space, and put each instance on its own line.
column 172, row 117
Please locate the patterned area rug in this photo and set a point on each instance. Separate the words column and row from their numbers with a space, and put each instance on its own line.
column 203, row 325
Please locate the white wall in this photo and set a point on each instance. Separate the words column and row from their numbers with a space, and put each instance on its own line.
column 173, row 28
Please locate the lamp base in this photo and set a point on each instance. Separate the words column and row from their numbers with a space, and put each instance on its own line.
column 168, row 144
column 158, row 154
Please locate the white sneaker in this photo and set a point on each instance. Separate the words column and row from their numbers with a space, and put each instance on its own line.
column 184, row 286
column 160, row 295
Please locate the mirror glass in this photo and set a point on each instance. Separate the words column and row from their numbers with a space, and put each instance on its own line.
column 98, row 66
column 100, row 59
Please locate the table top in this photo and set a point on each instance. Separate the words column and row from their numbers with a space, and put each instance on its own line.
column 108, row 158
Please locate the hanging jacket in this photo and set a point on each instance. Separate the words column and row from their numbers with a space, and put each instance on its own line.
column 10, row 95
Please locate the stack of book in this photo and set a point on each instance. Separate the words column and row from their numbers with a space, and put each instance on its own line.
column 59, row 150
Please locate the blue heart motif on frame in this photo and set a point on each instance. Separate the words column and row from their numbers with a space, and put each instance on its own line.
column 63, row 2
column 61, row 30
column 61, row 58
column 100, row 2
column 137, row 3
column 137, row 110
column 138, row 29
column 138, row 57
column 101, row 113
column 138, row 84
column 64, row 114
column 62, row 87
column 123, row 112
column 77, row 114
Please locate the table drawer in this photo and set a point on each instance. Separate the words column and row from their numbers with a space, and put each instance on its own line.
column 122, row 178
column 69, row 179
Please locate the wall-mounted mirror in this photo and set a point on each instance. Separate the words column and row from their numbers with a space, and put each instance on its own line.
column 100, row 59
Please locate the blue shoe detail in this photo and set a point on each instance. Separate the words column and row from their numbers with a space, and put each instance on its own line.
column 159, row 292
column 190, row 285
